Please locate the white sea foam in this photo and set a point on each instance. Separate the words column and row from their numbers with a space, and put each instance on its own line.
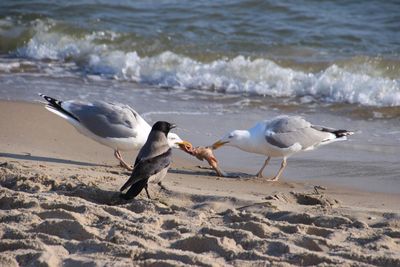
column 238, row 75
column 9, row 66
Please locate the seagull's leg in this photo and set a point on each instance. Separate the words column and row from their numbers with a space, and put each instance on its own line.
column 147, row 192
column 118, row 155
column 260, row 173
column 283, row 165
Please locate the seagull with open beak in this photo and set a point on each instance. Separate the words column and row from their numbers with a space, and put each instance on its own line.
column 281, row 137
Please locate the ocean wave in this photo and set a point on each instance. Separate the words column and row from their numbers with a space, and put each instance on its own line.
column 95, row 54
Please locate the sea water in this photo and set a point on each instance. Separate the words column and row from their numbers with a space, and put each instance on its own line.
column 214, row 66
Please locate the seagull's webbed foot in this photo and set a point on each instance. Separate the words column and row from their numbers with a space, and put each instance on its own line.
column 260, row 172
column 274, row 179
column 283, row 165
column 122, row 163
column 126, row 166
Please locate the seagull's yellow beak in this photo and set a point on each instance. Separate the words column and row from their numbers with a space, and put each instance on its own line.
column 218, row 144
column 184, row 145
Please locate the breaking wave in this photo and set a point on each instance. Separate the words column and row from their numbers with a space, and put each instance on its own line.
column 100, row 53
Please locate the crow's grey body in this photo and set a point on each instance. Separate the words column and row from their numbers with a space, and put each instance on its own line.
column 152, row 162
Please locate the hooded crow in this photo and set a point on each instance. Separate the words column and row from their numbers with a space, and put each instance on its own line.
column 152, row 162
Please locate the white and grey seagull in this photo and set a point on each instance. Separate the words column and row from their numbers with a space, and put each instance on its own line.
column 281, row 137
column 114, row 125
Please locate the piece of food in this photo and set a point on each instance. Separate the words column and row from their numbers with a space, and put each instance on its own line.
column 186, row 146
column 203, row 153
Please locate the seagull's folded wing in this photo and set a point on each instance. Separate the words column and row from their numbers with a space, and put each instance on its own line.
column 105, row 119
column 306, row 137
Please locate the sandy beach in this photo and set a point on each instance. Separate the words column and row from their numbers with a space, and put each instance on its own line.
column 208, row 67
column 59, row 206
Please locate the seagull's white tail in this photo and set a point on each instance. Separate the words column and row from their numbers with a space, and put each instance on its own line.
column 335, row 135
column 339, row 134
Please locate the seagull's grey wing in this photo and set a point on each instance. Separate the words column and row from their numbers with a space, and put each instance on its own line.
column 146, row 168
column 306, row 137
column 323, row 128
column 286, row 131
column 105, row 119
column 284, row 124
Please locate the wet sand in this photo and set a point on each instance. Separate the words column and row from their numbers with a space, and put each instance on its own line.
column 59, row 206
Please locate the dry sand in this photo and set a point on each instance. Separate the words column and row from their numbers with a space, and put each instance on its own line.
column 59, row 206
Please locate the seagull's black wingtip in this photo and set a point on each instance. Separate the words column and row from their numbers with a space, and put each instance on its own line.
column 342, row 133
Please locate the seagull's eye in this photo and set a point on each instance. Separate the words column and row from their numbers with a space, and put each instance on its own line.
column 230, row 136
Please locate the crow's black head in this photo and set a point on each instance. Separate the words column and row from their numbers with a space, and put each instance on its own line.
column 163, row 126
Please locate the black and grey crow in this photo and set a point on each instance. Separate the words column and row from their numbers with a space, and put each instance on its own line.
column 152, row 162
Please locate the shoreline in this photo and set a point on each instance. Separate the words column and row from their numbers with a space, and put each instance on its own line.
column 97, row 154
column 50, row 139
column 53, row 178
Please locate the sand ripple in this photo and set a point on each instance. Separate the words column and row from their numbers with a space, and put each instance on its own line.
column 72, row 221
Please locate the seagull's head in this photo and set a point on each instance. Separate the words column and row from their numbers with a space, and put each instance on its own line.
column 233, row 138
column 175, row 141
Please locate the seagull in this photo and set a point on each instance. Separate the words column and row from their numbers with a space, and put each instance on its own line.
column 114, row 125
column 281, row 137
column 152, row 162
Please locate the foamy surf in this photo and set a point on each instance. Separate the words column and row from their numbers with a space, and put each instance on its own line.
column 99, row 53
